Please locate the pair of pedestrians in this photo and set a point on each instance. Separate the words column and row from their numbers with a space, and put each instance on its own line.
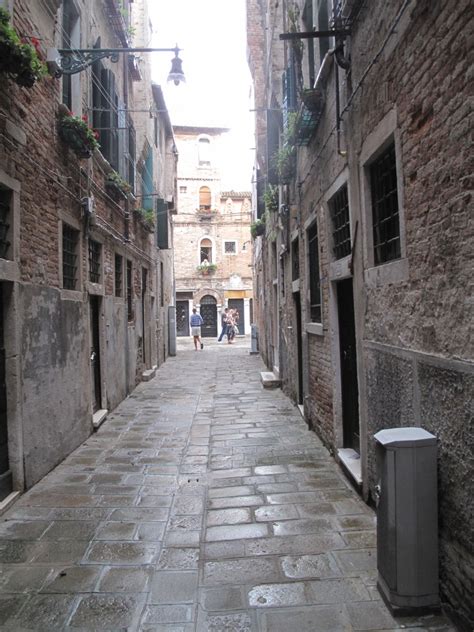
column 229, row 322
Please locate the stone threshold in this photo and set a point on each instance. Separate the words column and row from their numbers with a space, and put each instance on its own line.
column 149, row 374
column 269, row 380
column 8, row 501
column 350, row 461
column 99, row 417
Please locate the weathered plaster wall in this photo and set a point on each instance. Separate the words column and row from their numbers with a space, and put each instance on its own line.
column 55, row 369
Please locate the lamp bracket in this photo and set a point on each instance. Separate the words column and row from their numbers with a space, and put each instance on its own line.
column 72, row 61
column 315, row 34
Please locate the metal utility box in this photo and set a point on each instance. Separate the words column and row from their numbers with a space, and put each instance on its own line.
column 407, row 519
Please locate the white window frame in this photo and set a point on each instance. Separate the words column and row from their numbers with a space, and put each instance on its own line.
column 213, row 246
column 230, row 241
column 377, row 141
column 208, row 140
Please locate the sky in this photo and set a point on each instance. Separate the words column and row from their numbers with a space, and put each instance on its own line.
column 212, row 34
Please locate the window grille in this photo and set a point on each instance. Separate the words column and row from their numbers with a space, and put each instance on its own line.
column 94, row 261
column 230, row 247
column 385, row 212
column 4, row 222
column 295, row 260
column 118, row 275
column 70, row 244
column 314, row 275
column 341, row 229
column 129, row 291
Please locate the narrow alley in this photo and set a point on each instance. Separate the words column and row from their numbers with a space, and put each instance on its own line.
column 202, row 503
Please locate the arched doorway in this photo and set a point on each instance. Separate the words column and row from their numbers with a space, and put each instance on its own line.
column 209, row 315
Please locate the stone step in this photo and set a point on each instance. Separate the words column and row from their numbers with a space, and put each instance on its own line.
column 269, row 380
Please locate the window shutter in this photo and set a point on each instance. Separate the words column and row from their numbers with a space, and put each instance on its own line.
column 162, row 237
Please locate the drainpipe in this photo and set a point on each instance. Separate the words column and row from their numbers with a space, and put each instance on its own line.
column 340, row 151
column 342, row 61
column 126, row 233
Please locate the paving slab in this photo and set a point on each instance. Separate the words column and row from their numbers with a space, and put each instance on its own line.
column 193, row 509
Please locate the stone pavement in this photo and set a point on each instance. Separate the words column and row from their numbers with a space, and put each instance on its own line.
column 203, row 503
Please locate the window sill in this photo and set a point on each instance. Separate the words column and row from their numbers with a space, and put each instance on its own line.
column 315, row 329
column 9, row 270
column 71, row 295
column 387, row 273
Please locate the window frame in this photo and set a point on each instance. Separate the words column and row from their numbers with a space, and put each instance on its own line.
column 129, row 290
column 230, row 241
column 315, row 263
column 204, row 138
column 376, row 142
column 118, row 285
column 210, row 259
column 76, row 253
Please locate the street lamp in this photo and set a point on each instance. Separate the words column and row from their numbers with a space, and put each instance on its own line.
column 67, row 61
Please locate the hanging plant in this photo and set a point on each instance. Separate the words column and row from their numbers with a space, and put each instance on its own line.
column 147, row 215
column 270, row 197
column 77, row 134
column 284, row 160
column 257, row 228
column 117, row 186
column 18, row 59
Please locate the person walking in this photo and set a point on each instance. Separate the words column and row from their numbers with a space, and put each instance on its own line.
column 224, row 324
column 196, row 321
column 230, row 327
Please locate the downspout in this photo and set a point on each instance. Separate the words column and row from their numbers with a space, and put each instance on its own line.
column 126, row 233
column 340, row 151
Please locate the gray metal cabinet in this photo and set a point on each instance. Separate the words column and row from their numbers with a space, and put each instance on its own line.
column 407, row 519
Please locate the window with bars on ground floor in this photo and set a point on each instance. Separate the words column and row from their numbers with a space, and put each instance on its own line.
column 5, row 222
column 314, row 274
column 341, row 229
column 118, row 275
column 70, row 257
column 129, row 291
column 385, row 209
column 95, row 249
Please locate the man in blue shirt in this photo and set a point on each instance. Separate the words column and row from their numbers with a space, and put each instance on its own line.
column 196, row 322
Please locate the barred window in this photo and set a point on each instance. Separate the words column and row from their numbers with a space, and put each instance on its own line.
column 118, row 275
column 230, row 247
column 341, row 230
column 70, row 257
column 385, row 211
column 129, row 291
column 295, row 260
column 5, row 222
column 314, row 274
column 95, row 249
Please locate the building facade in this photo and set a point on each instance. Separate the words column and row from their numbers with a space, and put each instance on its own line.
column 84, row 287
column 212, row 241
column 366, row 263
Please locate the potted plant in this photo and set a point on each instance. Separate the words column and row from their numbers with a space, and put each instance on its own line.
column 313, row 99
column 18, row 59
column 206, row 268
column 117, row 186
column 257, row 228
column 77, row 134
column 284, row 159
column 147, row 215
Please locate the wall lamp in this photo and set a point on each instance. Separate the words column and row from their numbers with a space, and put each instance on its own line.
column 71, row 61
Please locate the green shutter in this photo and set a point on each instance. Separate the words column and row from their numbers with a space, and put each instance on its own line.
column 162, row 238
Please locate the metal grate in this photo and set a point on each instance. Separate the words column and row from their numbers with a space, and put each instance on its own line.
column 385, row 214
column 70, row 243
column 314, row 275
column 118, row 275
column 129, row 291
column 230, row 247
column 4, row 222
column 94, row 261
column 341, row 229
column 295, row 260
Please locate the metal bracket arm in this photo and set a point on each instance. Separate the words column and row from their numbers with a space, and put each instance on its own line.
column 72, row 61
column 315, row 34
